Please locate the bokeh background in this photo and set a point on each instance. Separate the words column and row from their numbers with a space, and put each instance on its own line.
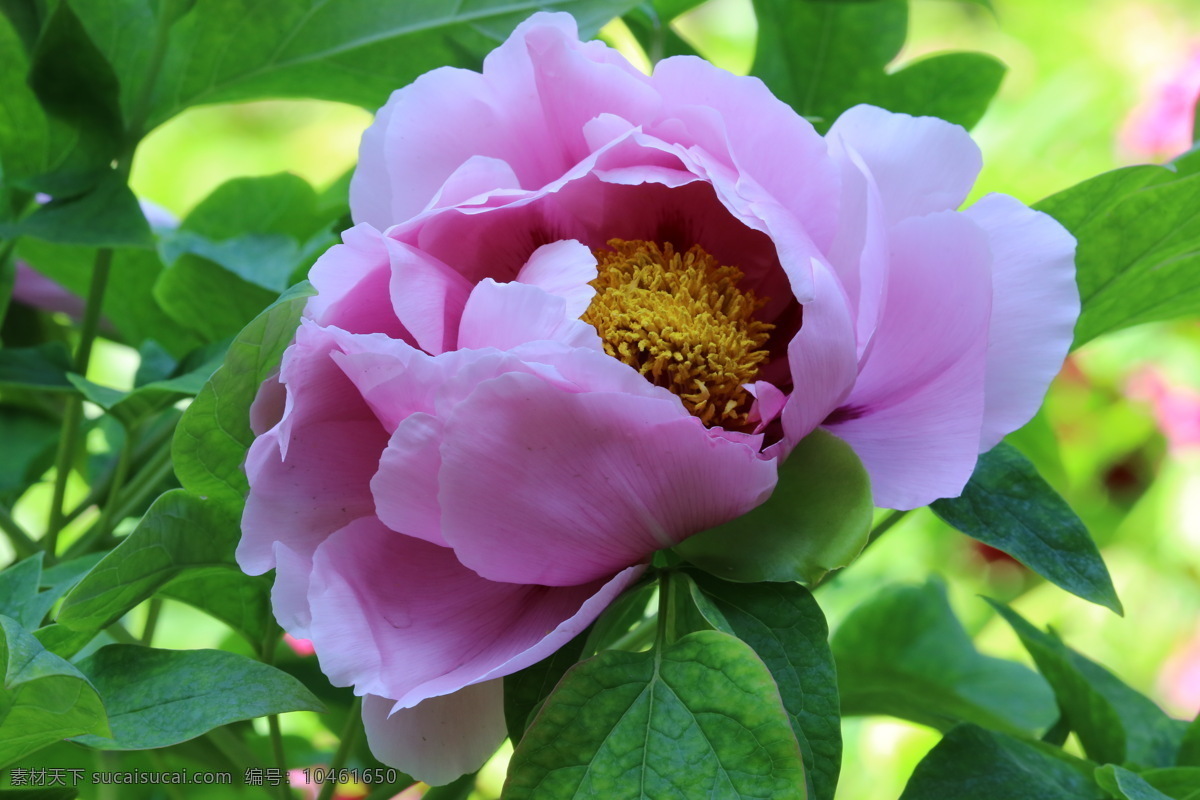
column 1091, row 85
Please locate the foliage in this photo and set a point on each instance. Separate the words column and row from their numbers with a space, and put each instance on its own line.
column 716, row 675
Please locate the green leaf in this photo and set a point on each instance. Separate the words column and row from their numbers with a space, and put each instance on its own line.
column 30, row 438
column 954, row 86
column 1008, row 505
column 108, row 215
column 905, row 654
column 817, row 520
column 43, row 368
column 207, row 299
column 786, row 628
column 1125, row 785
column 1138, row 258
column 625, row 614
column 281, row 204
column 157, row 698
column 213, row 436
column 243, row 602
column 1182, row 783
column 44, row 698
column 698, row 718
column 179, row 531
column 974, row 763
column 342, row 50
column 132, row 408
column 59, row 130
column 1189, row 748
column 1114, row 723
column 129, row 304
column 525, row 690
column 18, row 588
column 823, row 56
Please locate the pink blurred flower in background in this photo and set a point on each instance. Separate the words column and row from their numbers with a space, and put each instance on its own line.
column 583, row 315
column 1160, row 126
column 1176, row 408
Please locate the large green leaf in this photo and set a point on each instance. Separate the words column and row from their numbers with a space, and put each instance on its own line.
column 133, row 407
column 817, row 520
column 214, row 434
column 525, row 690
column 179, row 531
column 346, row 50
column 157, row 698
column 1008, row 505
column 1114, row 723
column 107, row 215
column 43, row 368
column 903, row 653
column 1189, row 747
column 129, row 305
column 18, row 588
column 824, row 56
column 1181, row 783
column 243, row 602
column 1139, row 247
column 698, row 718
column 44, row 698
column 978, row 764
column 1125, row 785
column 786, row 628
column 59, row 127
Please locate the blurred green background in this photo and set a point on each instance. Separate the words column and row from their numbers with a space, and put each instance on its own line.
column 1120, row 433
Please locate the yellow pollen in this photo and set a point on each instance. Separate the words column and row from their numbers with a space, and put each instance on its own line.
column 681, row 320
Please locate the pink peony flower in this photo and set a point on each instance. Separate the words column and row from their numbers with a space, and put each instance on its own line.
column 584, row 314
column 1160, row 126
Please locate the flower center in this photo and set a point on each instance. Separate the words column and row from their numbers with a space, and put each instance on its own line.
column 681, row 320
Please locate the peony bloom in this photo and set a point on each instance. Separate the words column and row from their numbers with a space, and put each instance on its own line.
column 583, row 315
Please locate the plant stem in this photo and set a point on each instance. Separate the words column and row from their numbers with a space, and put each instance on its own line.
column 107, row 515
column 884, row 526
column 152, row 613
column 277, row 753
column 665, row 630
column 68, row 444
column 21, row 541
column 345, row 743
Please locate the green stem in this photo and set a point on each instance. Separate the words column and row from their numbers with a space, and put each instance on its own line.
column 152, row 473
column 68, row 444
column 277, row 753
column 345, row 744
column 641, row 635
column 22, row 543
column 665, row 630
column 108, row 516
column 118, row 632
column 885, row 526
column 152, row 612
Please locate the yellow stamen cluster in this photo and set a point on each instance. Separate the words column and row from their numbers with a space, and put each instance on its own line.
column 681, row 320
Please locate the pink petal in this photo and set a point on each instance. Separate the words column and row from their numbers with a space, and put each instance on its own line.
column 475, row 178
column 406, row 485
column 749, row 127
column 402, row 618
column 1035, row 304
column 822, row 357
column 310, row 474
column 442, row 737
column 920, row 164
column 565, row 268
column 915, row 412
column 352, row 280
column 505, row 315
column 428, row 296
column 608, row 478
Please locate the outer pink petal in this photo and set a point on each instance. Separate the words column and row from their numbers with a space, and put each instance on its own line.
column 310, row 474
column 402, row 618
column 505, row 315
column 442, row 737
column 1034, row 307
column 915, row 413
column 920, row 164
column 607, row 478
column 749, row 129
column 822, row 357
